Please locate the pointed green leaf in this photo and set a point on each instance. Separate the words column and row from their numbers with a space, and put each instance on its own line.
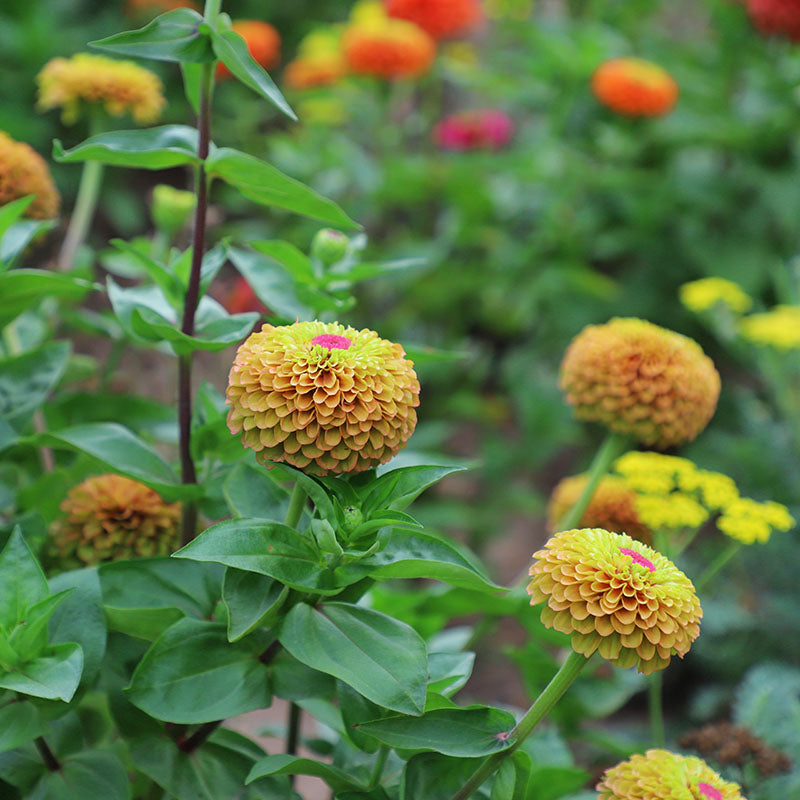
column 296, row 263
column 250, row 492
column 29, row 637
column 19, row 723
column 285, row 764
column 22, row 288
column 54, row 676
column 252, row 601
column 14, row 241
column 436, row 777
column 169, row 283
column 398, row 488
column 380, row 657
column 85, row 776
column 22, row 582
column 173, row 36
column 12, row 212
column 149, row 148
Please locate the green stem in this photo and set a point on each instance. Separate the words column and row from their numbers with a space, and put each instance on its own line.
column 654, row 694
column 612, row 447
column 82, row 213
column 377, row 770
column 685, row 542
column 297, row 503
column 550, row 695
column 717, row 564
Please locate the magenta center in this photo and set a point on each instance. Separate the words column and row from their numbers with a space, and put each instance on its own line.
column 645, row 562
column 709, row 791
column 331, row 341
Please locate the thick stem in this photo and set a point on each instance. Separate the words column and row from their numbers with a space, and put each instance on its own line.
column 82, row 214
column 550, row 695
column 654, row 701
column 613, row 446
column 293, row 732
column 199, row 736
column 188, row 473
column 50, row 761
column 297, row 502
column 717, row 564
column 377, row 770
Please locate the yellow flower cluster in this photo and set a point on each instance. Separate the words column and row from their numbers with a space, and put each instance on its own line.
column 120, row 85
column 779, row 328
column 705, row 293
column 750, row 521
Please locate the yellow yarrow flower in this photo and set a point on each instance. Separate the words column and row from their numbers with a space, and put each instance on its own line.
column 778, row 328
column 674, row 510
column 750, row 521
column 86, row 78
column 704, row 294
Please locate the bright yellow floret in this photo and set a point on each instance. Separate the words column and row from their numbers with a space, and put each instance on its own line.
column 705, row 293
column 750, row 521
column 778, row 328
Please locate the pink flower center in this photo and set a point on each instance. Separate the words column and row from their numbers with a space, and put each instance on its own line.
column 707, row 790
column 332, row 342
column 646, row 562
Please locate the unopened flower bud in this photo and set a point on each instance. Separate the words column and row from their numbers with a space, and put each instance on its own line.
column 171, row 208
column 329, row 246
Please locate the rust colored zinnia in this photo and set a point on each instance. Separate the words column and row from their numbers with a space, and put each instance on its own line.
column 662, row 775
column 111, row 517
column 639, row 379
column 615, row 595
column 322, row 397
column 263, row 43
column 388, row 48
column 780, row 17
column 613, row 506
column 319, row 69
column 635, row 87
column 440, row 18
column 24, row 172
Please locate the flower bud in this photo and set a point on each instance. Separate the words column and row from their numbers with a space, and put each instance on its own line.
column 329, row 246
column 171, row 208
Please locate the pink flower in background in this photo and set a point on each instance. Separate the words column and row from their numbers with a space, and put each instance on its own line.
column 474, row 130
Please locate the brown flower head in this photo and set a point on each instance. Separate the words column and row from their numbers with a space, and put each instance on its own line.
column 110, row 518
column 613, row 506
column 661, row 775
column 322, row 397
column 639, row 379
column 24, row 172
column 617, row 596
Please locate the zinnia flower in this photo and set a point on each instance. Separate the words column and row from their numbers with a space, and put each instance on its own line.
column 662, row 775
column 780, row 17
column 613, row 506
column 24, row 172
column 639, row 379
column 111, row 517
column 307, row 72
column 635, row 87
column 387, row 48
column 322, row 397
column 440, row 18
column 263, row 43
column 617, row 596
column 473, row 130
column 704, row 294
column 120, row 85
column 779, row 328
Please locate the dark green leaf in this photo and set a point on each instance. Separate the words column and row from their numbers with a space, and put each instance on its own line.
column 250, row 492
column 448, row 672
column 91, row 774
column 173, row 36
column 511, row 780
column 252, row 601
column 264, row 184
column 435, row 777
column 29, row 637
column 285, row 764
column 192, row 674
column 461, row 732
column 356, row 709
column 293, row 680
column 54, row 676
column 22, row 288
column 380, row 657
column 232, row 51
column 550, row 783
column 22, row 582
column 318, row 495
column 19, row 723
column 398, row 488
column 150, row 148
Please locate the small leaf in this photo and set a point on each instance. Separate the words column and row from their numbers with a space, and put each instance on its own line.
column 22, row 288
column 149, row 148
column 12, row 212
column 380, row 657
column 250, row 492
column 435, row 777
column 53, row 676
column 252, row 601
column 83, row 776
column 22, row 582
column 169, row 283
column 264, row 184
column 19, row 236
column 19, row 723
column 285, row 764
column 294, row 261
column 398, row 488
column 448, row 672
column 232, row 51
column 173, row 36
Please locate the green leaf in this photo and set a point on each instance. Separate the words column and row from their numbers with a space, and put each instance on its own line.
column 22, row 582
column 169, row 283
column 356, row 709
column 511, row 780
column 19, row 236
column 144, row 597
column 29, row 637
column 399, row 488
column 232, row 51
column 448, row 672
column 550, row 783
column 192, row 674
column 150, row 148
column 264, row 184
column 192, row 76
column 268, row 548
column 364, row 271
column 294, row 261
column 90, row 774
column 435, row 777
column 250, row 492
column 317, row 493
column 54, row 676
column 462, row 732
column 12, row 212
column 217, row 770
column 380, row 657
column 121, row 451
column 285, row 764
column 293, row 680
column 252, row 601
column 22, row 288
column 27, row 379
column 19, row 723
column 173, row 36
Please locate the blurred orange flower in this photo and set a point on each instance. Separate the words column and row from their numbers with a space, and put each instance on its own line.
column 635, row 87
column 320, row 69
column 23, row 172
column 388, row 48
column 263, row 43
column 440, row 18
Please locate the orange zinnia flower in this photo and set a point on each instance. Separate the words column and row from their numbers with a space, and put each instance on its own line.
column 440, row 18
column 388, row 48
column 635, row 87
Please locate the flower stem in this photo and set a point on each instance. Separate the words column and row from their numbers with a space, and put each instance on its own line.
column 613, row 446
column 717, row 564
column 550, row 695
column 82, row 213
column 654, row 692
column 188, row 472
column 297, row 502
column 293, row 729
column 377, row 770
column 199, row 736
column 50, row 761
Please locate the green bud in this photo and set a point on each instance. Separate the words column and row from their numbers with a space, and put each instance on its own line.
column 171, row 208
column 352, row 518
column 329, row 246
